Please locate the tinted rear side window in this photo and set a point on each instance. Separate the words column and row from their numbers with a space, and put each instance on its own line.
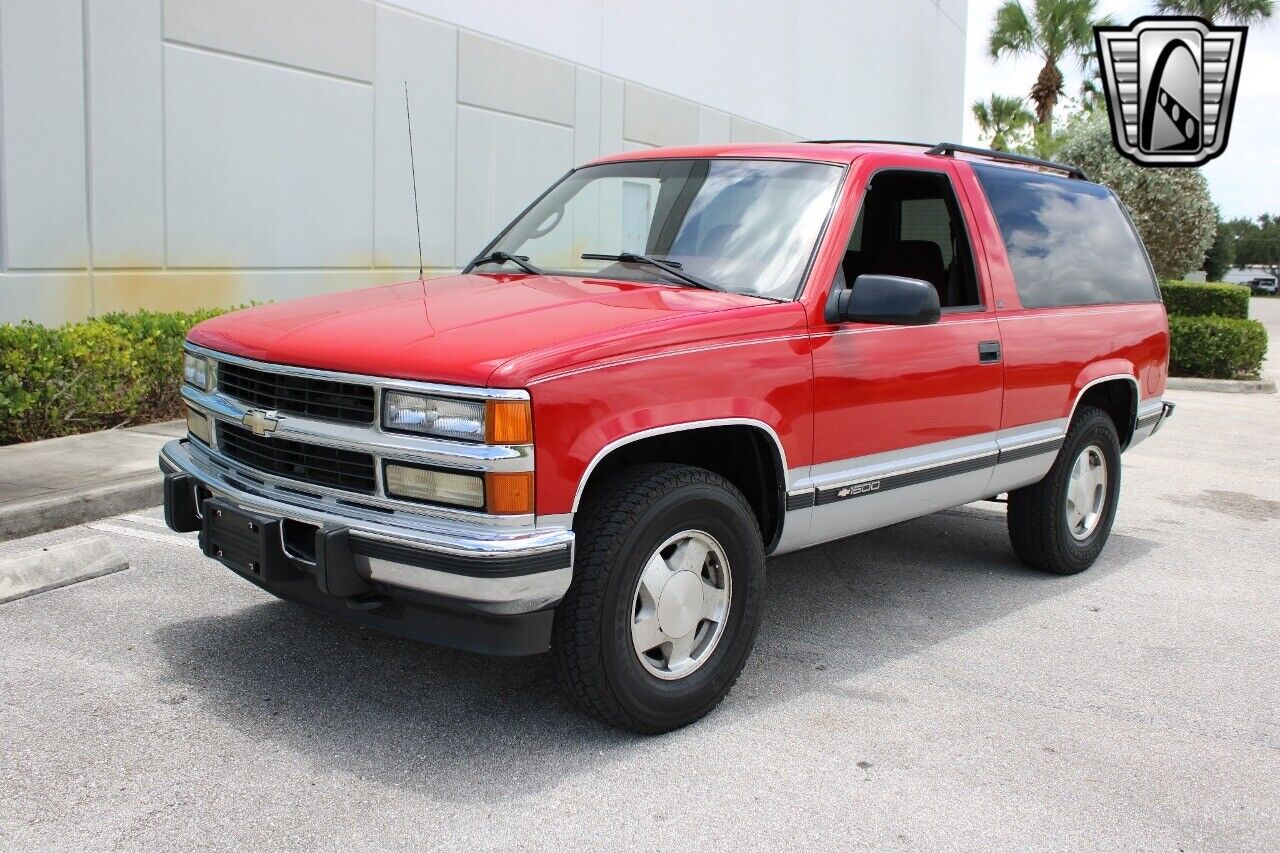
column 1069, row 243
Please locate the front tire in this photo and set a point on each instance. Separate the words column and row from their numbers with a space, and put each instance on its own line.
column 663, row 610
column 1061, row 524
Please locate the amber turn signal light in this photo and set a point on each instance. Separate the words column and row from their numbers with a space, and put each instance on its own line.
column 509, row 493
column 509, row 422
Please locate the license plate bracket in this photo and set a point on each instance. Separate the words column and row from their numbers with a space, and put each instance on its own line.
column 245, row 541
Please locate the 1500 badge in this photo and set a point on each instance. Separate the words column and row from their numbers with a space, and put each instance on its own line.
column 859, row 489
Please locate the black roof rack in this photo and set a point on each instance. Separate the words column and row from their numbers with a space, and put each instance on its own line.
column 950, row 149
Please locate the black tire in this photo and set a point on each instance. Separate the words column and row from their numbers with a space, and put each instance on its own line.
column 620, row 528
column 1038, row 522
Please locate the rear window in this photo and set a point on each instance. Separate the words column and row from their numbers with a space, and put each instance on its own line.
column 1069, row 242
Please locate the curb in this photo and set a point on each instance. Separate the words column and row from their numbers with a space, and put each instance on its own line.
column 54, row 512
column 58, row 565
column 1223, row 386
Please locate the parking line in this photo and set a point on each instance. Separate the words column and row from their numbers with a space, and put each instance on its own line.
column 144, row 534
column 143, row 519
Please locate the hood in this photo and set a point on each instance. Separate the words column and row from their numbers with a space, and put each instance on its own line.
column 462, row 328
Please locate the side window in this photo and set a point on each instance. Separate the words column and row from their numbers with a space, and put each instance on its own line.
column 1069, row 242
column 910, row 225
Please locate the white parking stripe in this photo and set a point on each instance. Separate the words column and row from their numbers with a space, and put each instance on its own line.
column 142, row 519
column 144, row 534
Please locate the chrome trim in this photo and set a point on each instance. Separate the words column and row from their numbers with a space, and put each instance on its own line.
column 1155, row 411
column 522, row 593
column 822, row 521
column 672, row 428
column 379, row 382
column 505, row 596
column 416, row 508
column 1137, row 395
column 366, row 439
column 883, row 470
column 384, row 445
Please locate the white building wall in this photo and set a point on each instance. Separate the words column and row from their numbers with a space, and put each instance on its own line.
column 177, row 153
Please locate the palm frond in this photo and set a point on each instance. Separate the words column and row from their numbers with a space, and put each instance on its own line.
column 1012, row 34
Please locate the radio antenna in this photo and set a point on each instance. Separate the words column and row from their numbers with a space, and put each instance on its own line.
column 413, row 173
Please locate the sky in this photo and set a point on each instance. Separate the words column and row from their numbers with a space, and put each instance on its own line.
column 1244, row 180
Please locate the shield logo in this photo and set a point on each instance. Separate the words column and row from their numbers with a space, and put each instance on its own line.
column 1170, row 85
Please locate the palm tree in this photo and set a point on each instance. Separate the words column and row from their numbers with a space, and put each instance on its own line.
column 1220, row 11
column 1000, row 116
column 1053, row 30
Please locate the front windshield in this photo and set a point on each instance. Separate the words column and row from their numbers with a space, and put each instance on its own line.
column 746, row 226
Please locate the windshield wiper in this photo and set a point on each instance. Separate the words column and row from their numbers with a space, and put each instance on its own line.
column 521, row 261
column 672, row 268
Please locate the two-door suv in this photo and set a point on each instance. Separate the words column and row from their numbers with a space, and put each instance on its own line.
column 673, row 364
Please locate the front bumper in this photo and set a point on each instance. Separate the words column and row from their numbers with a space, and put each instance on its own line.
column 488, row 590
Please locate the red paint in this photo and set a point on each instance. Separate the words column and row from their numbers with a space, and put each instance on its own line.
column 604, row 359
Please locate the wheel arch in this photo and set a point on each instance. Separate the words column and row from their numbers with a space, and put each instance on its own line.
column 1118, row 395
column 703, row 443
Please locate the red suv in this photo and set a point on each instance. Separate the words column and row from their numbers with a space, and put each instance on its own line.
column 672, row 365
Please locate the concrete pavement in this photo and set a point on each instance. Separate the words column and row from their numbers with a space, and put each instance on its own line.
column 911, row 688
column 49, row 484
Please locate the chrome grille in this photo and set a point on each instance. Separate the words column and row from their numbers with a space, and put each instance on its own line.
column 307, row 463
column 300, row 395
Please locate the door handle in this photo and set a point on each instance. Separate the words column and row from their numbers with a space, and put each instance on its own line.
column 989, row 352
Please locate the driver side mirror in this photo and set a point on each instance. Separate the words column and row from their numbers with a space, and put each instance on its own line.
column 888, row 299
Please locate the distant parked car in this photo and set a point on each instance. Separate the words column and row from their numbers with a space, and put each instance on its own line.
column 1263, row 284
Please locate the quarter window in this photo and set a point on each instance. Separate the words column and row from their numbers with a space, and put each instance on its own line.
column 1069, row 241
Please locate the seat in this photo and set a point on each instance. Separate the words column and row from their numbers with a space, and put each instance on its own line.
column 920, row 259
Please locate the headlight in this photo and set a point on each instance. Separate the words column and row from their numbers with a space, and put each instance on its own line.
column 195, row 371
column 495, row 422
column 427, row 484
column 439, row 416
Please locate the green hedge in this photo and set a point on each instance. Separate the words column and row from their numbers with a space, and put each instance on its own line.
column 1216, row 347
column 110, row 371
column 1196, row 299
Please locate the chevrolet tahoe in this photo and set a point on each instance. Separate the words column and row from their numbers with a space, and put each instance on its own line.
column 672, row 365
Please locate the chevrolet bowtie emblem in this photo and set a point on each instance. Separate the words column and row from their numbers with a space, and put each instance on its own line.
column 1170, row 85
column 261, row 422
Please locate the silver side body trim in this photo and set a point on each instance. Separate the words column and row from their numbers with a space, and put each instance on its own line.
column 860, row 494
column 864, row 493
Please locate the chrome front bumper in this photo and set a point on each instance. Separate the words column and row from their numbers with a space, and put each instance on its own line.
column 497, row 571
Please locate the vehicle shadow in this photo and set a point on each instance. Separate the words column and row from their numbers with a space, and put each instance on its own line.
column 465, row 727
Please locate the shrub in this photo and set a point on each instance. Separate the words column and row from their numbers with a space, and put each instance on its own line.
column 1194, row 299
column 1221, row 254
column 1170, row 207
column 1216, row 347
column 105, row 372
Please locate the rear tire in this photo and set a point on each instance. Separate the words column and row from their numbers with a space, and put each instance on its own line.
column 664, row 606
column 1062, row 523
